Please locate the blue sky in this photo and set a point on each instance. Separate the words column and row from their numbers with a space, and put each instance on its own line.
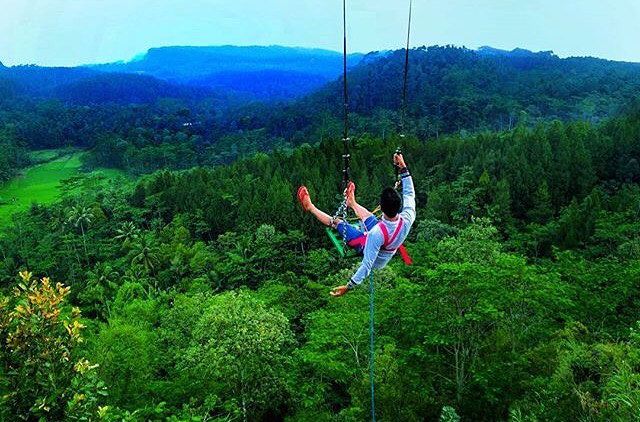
column 71, row 32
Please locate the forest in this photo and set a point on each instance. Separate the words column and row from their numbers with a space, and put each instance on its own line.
column 197, row 289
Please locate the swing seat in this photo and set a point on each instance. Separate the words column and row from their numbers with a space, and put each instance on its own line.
column 338, row 243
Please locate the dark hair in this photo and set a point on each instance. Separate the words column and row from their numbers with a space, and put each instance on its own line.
column 390, row 202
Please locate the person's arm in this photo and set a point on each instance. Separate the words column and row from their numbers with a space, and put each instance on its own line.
column 408, row 191
column 371, row 250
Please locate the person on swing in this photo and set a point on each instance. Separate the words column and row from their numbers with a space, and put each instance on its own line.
column 381, row 238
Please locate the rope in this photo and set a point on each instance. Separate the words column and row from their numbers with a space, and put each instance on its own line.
column 346, row 156
column 406, row 74
column 341, row 212
column 372, row 350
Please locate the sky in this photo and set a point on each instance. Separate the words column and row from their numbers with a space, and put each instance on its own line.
column 74, row 32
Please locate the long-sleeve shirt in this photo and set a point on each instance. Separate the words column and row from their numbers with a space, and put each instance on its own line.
column 374, row 256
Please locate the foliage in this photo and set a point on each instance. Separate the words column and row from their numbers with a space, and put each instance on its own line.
column 205, row 290
column 40, row 335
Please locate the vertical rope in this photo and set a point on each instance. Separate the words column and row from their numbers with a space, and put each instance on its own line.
column 406, row 74
column 372, row 350
column 346, row 157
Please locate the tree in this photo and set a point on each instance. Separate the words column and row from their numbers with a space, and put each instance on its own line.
column 99, row 290
column 239, row 354
column 542, row 209
column 145, row 253
column 81, row 217
column 127, row 233
column 126, row 352
column 40, row 336
column 590, row 379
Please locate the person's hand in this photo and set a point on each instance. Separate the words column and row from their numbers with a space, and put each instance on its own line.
column 339, row 291
column 398, row 160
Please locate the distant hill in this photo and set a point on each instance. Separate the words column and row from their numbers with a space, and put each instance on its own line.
column 188, row 63
column 487, row 51
column 248, row 73
column 453, row 89
column 125, row 89
column 450, row 89
column 267, row 85
column 86, row 86
column 42, row 81
column 271, row 72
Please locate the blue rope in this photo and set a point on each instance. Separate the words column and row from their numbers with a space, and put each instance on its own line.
column 372, row 349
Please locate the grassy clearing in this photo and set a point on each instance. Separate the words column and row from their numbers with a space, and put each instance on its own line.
column 46, row 155
column 42, row 184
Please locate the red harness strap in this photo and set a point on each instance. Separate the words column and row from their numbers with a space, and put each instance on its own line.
column 358, row 242
column 385, row 233
column 402, row 249
column 404, row 254
column 361, row 241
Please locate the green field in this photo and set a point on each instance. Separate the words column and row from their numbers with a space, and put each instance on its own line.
column 41, row 184
column 47, row 155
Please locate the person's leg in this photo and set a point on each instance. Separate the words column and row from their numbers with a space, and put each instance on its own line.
column 307, row 205
column 351, row 235
column 361, row 212
column 322, row 216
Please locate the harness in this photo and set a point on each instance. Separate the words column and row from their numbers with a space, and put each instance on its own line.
column 385, row 233
column 361, row 241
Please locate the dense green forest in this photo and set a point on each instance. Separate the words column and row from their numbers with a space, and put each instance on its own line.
column 197, row 289
column 456, row 89
column 14, row 154
column 203, row 294
column 142, row 124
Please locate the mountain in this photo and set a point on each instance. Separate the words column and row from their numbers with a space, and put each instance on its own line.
column 125, row 89
column 246, row 73
column 266, row 85
column 42, row 81
column 487, row 51
column 86, row 86
column 270, row 72
column 452, row 89
column 188, row 63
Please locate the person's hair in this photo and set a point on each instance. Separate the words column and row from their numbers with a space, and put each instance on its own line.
column 390, row 202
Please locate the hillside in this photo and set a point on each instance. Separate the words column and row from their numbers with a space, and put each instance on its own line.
column 40, row 81
column 122, row 88
column 452, row 89
column 85, row 86
column 242, row 73
column 288, row 72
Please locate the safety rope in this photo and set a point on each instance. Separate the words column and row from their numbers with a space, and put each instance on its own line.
column 372, row 350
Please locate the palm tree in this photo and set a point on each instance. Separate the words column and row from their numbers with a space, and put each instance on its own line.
column 102, row 280
column 81, row 218
column 127, row 233
column 145, row 254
